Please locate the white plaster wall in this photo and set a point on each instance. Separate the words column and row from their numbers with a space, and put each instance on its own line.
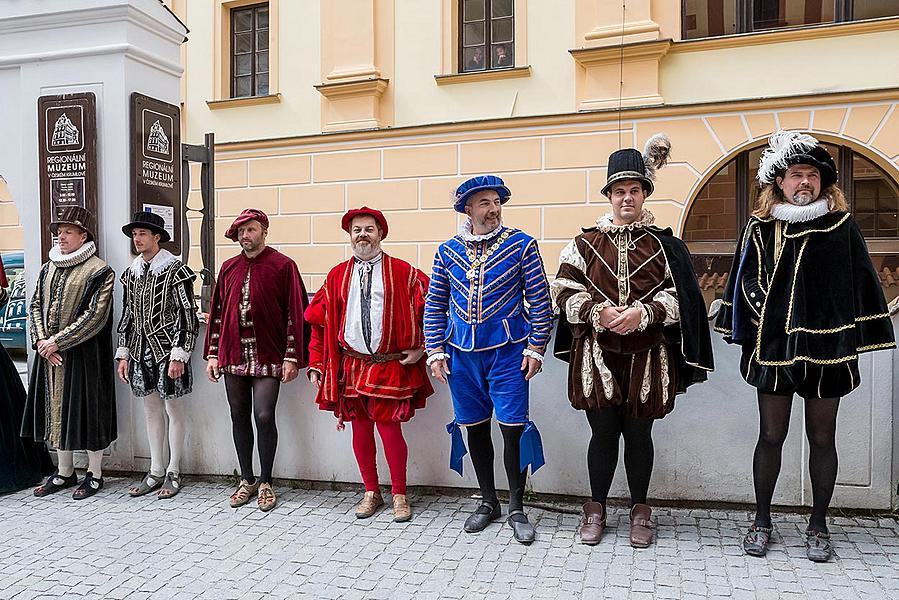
column 703, row 449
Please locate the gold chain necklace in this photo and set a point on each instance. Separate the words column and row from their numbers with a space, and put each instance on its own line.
column 476, row 263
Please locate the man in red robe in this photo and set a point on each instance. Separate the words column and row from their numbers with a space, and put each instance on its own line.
column 258, row 338
column 365, row 353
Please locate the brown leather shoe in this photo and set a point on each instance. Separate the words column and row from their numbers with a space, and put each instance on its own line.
column 401, row 509
column 592, row 523
column 371, row 502
column 641, row 526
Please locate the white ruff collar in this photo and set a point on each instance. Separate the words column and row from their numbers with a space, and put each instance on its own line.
column 466, row 234
column 605, row 225
column 784, row 211
column 73, row 258
column 162, row 260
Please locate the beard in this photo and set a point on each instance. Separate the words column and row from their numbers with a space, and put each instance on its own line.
column 802, row 198
column 365, row 250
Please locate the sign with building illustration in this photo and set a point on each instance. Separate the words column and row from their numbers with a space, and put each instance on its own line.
column 156, row 162
column 67, row 131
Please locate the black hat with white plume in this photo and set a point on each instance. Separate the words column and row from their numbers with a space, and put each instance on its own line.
column 788, row 148
column 630, row 163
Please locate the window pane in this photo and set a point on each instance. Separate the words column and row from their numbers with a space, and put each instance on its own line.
column 261, row 62
column 262, row 84
column 501, row 30
column 243, row 64
column 474, row 34
column 474, row 10
column 473, row 59
column 771, row 14
column 502, row 56
column 242, row 86
column 713, row 216
column 262, row 40
column 871, row 9
column 501, row 8
column 709, row 18
column 243, row 43
column 875, row 199
column 243, row 20
column 262, row 18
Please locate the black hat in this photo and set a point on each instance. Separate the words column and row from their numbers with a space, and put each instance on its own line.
column 788, row 148
column 77, row 216
column 147, row 220
column 631, row 164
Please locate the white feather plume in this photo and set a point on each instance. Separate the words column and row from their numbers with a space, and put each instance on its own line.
column 655, row 153
column 781, row 146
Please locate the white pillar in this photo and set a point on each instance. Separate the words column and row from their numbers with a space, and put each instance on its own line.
column 111, row 48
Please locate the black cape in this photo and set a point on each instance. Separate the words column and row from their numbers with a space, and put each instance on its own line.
column 821, row 302
column 89, row 402
column 690, row 335
column 23, row 463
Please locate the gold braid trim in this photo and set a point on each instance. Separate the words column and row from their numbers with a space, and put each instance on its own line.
column 806, row 232
column 872, row 317
column 792, row 290
column 722, row 330
column 880, row 346
column 821, row 331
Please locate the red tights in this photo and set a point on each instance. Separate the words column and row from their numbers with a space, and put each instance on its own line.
column 394, row 447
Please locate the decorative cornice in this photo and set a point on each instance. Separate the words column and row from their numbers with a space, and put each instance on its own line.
column 593, row 119
column 792, row 34
column 349, row 89
column 248, row 101
column 613, row 33
column 601, row 55
column 490, row 75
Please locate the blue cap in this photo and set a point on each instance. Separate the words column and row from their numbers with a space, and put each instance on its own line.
column 477, row 184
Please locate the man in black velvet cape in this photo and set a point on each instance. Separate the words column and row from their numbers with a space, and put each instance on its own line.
column 804, row 301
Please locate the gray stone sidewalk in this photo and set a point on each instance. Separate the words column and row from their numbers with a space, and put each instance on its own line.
column 312, row 546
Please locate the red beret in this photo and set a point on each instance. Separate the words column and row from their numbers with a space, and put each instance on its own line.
column 249, row 214
column 377, row 215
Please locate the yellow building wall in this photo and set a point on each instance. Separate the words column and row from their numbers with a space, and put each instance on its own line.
column 11, row 233
column 792, row 67
column 555, row 167
column 718, row 96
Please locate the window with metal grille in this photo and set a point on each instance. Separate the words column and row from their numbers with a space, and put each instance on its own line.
column 486, row 35
column 249, row 51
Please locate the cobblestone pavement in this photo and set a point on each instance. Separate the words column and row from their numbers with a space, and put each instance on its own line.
column 312, row 546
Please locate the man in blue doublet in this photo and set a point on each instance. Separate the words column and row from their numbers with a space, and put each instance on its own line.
column 488, row 320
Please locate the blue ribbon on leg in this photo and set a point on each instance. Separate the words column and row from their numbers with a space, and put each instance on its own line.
column 457, row 447
column 531, row 448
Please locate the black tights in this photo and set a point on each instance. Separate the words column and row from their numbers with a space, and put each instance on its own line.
column 480, row 445
column 820, row 427
column 608, row 425
column 257, row 395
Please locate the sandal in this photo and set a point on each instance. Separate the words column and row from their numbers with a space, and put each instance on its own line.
column 171, row 487
column 149, row 483
column 818, row 547
column 89, row 486
column 755, row 543
column 266, row 500
column 243, row 493
column 55, row 483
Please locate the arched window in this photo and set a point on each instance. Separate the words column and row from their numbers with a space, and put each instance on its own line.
column 723, row 205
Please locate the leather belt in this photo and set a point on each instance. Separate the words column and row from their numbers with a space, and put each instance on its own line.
column 375, row 358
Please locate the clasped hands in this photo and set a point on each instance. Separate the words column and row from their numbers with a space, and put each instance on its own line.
column 49, row 350
column 622, row 320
